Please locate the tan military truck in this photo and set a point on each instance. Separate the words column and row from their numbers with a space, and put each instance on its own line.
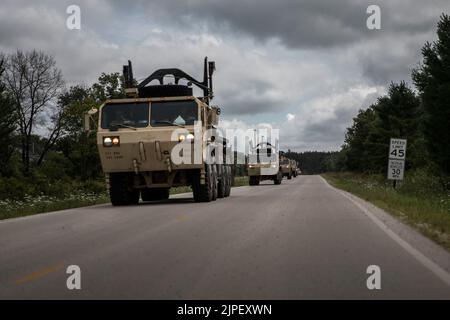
column 137, row 138
column 286, row 167
column 294, row 168
column 263, row 164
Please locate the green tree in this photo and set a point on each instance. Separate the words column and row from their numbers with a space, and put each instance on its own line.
column 432, row 79
column 397, row 115
column 109, row 86
column 8, row 120
column 78, row 146
column 354, row 148
column 34, row 82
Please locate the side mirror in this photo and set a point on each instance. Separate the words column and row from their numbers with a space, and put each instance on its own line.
column 89, row 121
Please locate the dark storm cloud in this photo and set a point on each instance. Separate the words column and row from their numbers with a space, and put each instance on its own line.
column 313, row 59
column 298, row 24
column 317, row 25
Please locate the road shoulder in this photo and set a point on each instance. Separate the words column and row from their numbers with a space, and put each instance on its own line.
column 427, row 252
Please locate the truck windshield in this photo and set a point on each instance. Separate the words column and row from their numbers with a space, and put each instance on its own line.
column 284, row 162
column 125, row 115
column 264, row 155
column 173, row 113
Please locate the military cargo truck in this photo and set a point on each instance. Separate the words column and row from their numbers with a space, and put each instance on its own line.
column 137, row 137
column 264, row 165
column 286, row 167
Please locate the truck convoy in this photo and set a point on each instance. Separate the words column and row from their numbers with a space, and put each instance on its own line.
column 264, row 165
column 135, row 138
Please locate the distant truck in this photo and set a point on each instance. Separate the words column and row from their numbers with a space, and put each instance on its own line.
column 135, row 139
column 294, row 168
column 286, row 168
column 264, row 165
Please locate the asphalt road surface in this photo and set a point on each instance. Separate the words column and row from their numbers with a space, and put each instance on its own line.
column 299, row 240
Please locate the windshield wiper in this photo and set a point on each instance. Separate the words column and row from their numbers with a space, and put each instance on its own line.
column 123, row 126
column 168, row 122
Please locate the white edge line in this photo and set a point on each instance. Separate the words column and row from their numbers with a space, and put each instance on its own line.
column 425, row 261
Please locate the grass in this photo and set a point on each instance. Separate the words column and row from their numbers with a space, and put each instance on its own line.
column 31, row 205
column 40, row 204
column 412, row 201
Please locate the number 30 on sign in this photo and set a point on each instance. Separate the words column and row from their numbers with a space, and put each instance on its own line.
column 396, row 169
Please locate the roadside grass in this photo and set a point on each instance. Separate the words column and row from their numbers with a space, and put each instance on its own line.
column 39, row 204
column 31, row 205
column 426, row 210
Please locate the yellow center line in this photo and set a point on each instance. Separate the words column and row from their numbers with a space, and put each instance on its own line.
column 39, row 274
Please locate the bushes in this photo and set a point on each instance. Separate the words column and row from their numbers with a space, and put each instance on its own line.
column 422, row 181
column 18, row 188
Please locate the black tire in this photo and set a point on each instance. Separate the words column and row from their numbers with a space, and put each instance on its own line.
column 203, row 192
column 289, row 176
column 215, row 182
column 278, row 178
column 155, row 194
column 229, row 179
column 253, row 181
column 121, row 191
column 223, row 181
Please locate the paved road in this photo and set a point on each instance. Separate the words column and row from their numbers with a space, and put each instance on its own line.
column 302, row 239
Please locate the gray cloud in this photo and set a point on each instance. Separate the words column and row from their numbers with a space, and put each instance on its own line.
column 314, row 59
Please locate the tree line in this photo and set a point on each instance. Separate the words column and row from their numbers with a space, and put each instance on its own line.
column 421, row 115
column 44, row 148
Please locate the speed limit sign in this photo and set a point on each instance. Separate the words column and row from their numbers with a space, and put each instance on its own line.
column 396, row 169
column 397, row 149
column 397, row 155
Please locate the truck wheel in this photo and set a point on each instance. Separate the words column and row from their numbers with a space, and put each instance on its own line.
column 203, row 192
column 289, row 176
column 154, row 194
column 121, row 191
column 223, row 181
column 215, row 182
column 278, row 178
column 229, row 178
column 253, row 181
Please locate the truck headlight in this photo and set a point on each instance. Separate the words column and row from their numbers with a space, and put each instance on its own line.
column 111, row 141
column 181, row 137
column 190, row 136
column 107, row 141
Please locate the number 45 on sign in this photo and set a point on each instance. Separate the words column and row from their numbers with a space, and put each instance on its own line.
column 397, row 149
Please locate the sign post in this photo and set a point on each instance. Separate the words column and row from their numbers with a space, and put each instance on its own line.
column 397, row 156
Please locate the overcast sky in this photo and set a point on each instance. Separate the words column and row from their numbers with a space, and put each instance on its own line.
column 305, row 67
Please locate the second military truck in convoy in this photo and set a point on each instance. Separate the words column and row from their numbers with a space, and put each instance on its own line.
column 263, row 164
column 135, row 138
column 286, row 167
